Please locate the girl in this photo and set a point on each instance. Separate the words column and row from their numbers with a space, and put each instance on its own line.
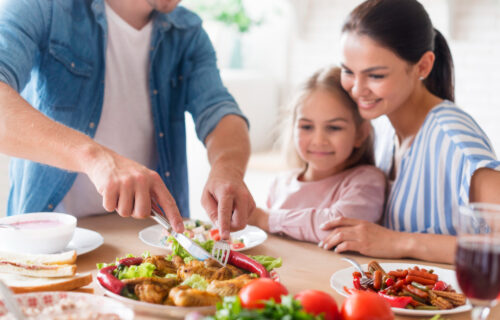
column 395, row 63
column 333, row 154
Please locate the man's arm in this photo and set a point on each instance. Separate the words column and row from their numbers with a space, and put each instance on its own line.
column 126, row 186
column 225, row 196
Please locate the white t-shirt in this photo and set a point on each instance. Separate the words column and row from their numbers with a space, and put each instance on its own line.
column 126, row 123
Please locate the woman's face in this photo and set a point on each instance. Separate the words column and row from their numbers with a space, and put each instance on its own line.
column 376, row 78
column 324, row 134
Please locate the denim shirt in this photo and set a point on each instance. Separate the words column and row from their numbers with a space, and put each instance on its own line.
column 53, row 53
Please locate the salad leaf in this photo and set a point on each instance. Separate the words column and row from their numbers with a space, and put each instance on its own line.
column 289, row 308
column 268, row 262
column 178, row 250
column 145, row 269
column 196, row 281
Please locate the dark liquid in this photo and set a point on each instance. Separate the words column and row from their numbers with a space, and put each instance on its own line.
column 478, row 268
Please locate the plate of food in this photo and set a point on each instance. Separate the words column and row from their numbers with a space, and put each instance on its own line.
column 174, row 285
column 411, row 289
column 68, row 305
column 202, row 231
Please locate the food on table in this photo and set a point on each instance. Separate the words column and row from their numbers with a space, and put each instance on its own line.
column 24, row 272
column 179, row 280
column 412, row 288
column 318, row 302
column 203, row 231
column 274, row 306
column 255, row 292
column 362, row 305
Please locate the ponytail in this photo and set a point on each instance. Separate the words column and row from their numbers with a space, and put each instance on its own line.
column 440, row 81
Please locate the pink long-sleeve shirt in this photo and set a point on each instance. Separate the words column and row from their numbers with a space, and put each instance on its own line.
column 298, row 208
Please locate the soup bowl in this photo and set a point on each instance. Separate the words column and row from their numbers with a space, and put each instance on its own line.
column 39, row 232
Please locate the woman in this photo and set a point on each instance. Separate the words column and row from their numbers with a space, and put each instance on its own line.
column 395, row 63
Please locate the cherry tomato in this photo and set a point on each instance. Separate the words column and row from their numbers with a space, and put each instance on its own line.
column 214, row 234
column 256, row 291
column 440, row 286
column 318, row 302
column 237, row 245
column 366, row 305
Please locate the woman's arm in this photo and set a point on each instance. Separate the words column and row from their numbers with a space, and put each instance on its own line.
column 485, row 186
column 374, row 240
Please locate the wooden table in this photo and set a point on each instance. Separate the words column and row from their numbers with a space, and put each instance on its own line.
column 305, row 266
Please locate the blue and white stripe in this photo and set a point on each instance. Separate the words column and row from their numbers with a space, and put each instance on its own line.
column 435, row 173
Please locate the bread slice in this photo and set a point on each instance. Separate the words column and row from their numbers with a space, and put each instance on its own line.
column 68, row 257
column 21, row 284
column 38, row 270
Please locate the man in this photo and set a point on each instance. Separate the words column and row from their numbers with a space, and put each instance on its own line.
column 104, row 87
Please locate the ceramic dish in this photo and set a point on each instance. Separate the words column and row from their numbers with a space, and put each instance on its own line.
column 343, row 278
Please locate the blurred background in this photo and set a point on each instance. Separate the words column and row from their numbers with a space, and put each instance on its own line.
column 266, row 48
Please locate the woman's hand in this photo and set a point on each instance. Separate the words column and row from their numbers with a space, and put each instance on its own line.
column 129, row 187
column 367, row 238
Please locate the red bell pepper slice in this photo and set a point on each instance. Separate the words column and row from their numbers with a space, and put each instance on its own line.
column 395, row 301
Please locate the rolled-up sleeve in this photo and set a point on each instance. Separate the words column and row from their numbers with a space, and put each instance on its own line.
column 23, row 26
column 208, row 100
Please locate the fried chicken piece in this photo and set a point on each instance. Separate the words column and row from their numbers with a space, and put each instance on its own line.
column 185, row 296
column 178, row 261
column 228, row 287
column 163, row 266
column 195, row 267
column 153, row 290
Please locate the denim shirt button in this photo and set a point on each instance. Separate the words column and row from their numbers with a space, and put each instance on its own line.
column 152, row 48
column 160, row 134
column 72, row 64
column 155, row 91
column 180, row 78
column 167, row 174
column 50, row 206
column 91, row 125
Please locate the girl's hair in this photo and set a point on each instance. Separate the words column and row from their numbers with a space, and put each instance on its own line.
column 404, row 27
column 327, row 79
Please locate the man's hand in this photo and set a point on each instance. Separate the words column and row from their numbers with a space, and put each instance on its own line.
column 129, row 187
column 227, row 200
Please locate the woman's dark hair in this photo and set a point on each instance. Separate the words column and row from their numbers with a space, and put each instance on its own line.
column 404, row 27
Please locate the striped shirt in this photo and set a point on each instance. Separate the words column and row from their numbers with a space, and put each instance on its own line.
column 435, row 172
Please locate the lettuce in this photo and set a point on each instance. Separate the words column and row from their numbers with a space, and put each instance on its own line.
column 195, row 281
column 145, row 269
column 268, row 262
column 178, row 250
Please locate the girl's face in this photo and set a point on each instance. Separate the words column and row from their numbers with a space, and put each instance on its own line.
column 376, row 78
column 324, row 134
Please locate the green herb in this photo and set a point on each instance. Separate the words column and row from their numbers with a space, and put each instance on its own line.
column 289, row 309
column 196, row 281
column 143, row 270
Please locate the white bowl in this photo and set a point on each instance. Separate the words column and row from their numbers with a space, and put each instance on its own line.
column 40, row 232
column 87, row 306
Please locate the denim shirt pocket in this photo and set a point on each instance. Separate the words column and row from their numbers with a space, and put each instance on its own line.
column 65, row 75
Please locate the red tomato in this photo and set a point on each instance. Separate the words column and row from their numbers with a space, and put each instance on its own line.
column 256, row 291
column 365, row 305
column 237, row 245
column 317, row 302
column 214, row 234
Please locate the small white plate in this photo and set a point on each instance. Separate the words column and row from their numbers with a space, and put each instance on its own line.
column 343, row 278
column 84, row 240
column 252, row 236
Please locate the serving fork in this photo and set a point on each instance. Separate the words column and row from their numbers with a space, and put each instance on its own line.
column 364, row 281
column 221, row 251
column 192, row 247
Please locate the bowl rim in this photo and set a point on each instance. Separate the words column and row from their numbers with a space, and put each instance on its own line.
column 64, row 218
